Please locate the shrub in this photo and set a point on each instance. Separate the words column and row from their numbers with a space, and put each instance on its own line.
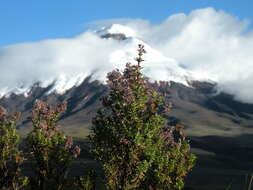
column 87, row 182
column 11, row 157
column 172, row 163
column 52, row 152
column 130, row 139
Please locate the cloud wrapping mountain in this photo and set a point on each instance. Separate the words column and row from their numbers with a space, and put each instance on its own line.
column 207, row 41
column 214, row 44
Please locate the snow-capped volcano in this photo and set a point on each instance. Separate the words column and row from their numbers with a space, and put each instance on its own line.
column 116, row 29
column 203, row 45
column 156, row 65
column 70, row 61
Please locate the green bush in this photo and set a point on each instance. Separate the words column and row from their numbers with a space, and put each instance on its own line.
column 87, row 182
column 130, row 138
column 51, row 151
column 11, row 157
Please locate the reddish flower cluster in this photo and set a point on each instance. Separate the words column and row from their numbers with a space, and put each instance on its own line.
column 44, row 117
column 141, row 52
column 4, row 116
column 173, row 136
column 3, row 112
column 43, row 111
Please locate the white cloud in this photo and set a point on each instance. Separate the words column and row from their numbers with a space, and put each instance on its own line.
column 46, row 61
column 210, row 42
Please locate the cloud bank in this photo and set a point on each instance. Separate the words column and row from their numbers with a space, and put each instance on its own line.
column 206, row 41
column 65, row 61
column 213, row 43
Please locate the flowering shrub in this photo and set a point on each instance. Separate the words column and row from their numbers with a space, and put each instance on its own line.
column 11, row 157
column 52, row 152
column 130, row 138
column 172, row 162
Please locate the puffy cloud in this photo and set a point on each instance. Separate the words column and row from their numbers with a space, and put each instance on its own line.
column 214, row 43
column 68, row 60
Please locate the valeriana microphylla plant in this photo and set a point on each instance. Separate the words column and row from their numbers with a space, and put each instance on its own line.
column 172, row 162
column 11, row 157
column 52, row 152
column 130, row 137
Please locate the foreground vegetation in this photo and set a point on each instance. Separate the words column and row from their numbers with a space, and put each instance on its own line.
column 130, row 141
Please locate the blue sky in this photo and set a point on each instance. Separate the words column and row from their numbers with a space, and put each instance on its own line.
column 32, row 20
